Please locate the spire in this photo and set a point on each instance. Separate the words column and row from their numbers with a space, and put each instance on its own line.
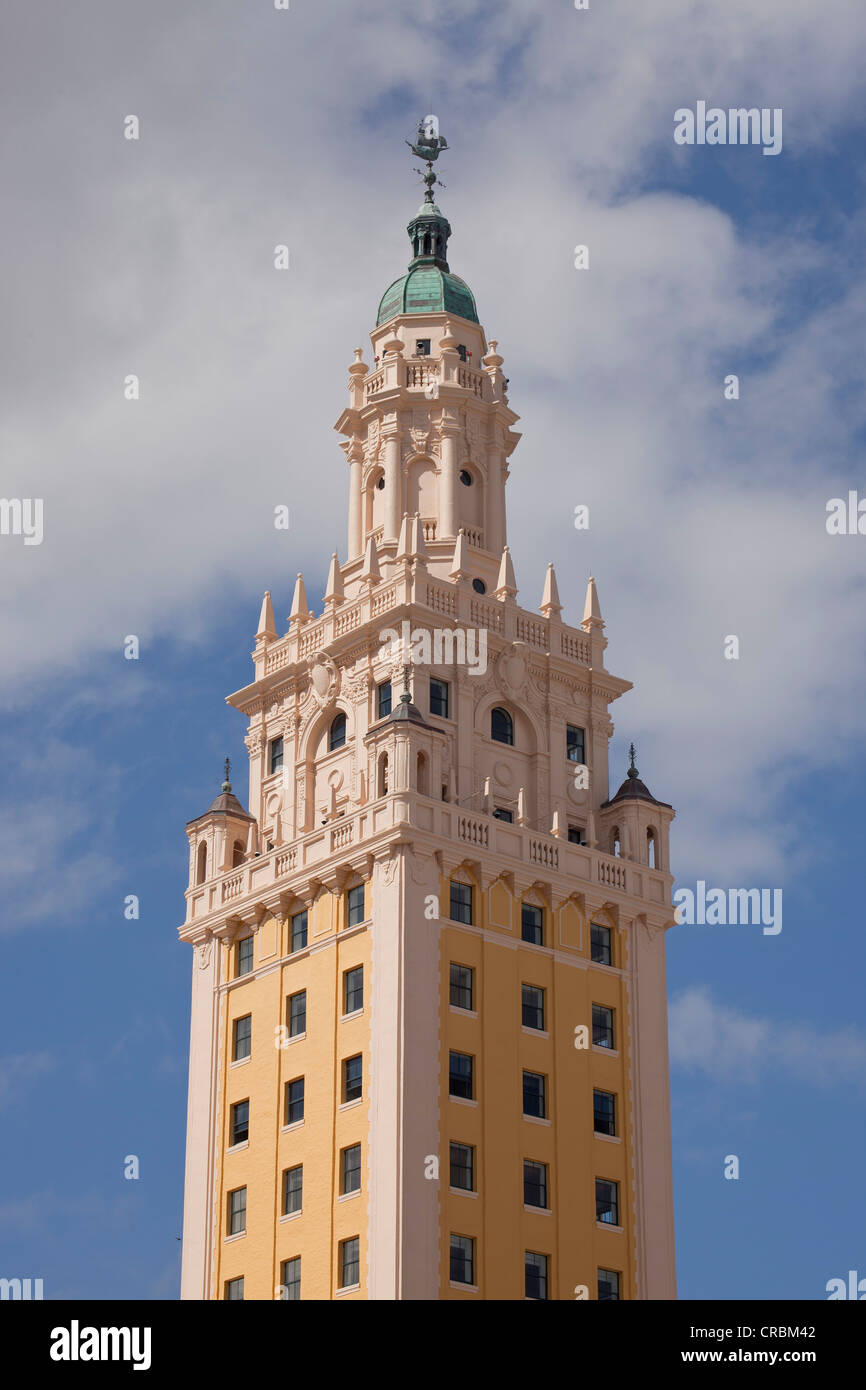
column 404, row 550
column 429, row 229
column 227, row 786
column 550, row 605
column 370, row 571
column 300, row 612
column 632, row 770
column 506, row 584
column 459, row 569
column 267, row 628
column 334, row 588
column 591, row 611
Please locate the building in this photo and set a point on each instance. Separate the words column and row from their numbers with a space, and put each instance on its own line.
column 428, row 1050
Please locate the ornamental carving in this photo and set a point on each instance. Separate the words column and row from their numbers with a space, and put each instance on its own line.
column 324, row 679
column 203, row 954
column 512, row 669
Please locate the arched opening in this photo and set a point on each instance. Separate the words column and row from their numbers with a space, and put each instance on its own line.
column 651, row 848
column 238, row 853
column 501, row 726
column 382, row 775
column 201, row 863
column 337, row 733
column 421, row 779
column 615, row 845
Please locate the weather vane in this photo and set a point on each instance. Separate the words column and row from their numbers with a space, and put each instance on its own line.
column 428, row 146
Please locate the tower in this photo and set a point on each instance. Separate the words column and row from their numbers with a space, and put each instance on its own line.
column 428, row 1050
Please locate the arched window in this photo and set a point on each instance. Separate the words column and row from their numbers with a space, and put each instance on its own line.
column 421, row 777
column 238, row 853
column 201, row 863
column 337, row 735
column 382, row 776
column 501, row 726
column 651, row 848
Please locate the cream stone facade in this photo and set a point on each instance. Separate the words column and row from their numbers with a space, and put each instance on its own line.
column 450, row 824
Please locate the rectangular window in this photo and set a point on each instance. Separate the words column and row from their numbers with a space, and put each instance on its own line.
column 353, row 989
column 350, row 1267
column 501, row 814
column 463, row 1167
column 533, row 1007
column 461, row 902
column 240, row 1122
column 534, row 1183
column 355, row 905
column 293, row 1189
column 462, row 1260
column 353, row 1072
column 535, row 1283
column 275, row 758
column 575, row 744
column 462, row 351
column 608, row 1285
column 235, row 1289
column 242, row 1040
column 299, row 931
column 237, row 1211
column 576, row 835
column 602, row 1026
column 535, row 1095
column 351, row 1177
column 294, row 1100
column 422, row 347
column 607, row 1201
column 297, row 1013
column 291, row 1277
column 460, row 1075
column 532, row 924
column 245, row 956
column 439, row 697
column 599, row 944
column 462, row 986
column 383, row 700
column 604, row 1112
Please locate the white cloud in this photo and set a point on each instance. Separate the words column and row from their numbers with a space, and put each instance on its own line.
column 725, row 1044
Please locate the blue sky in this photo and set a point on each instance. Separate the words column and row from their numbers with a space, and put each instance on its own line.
column 707, row 519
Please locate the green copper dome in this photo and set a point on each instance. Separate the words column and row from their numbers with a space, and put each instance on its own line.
column 428, row 287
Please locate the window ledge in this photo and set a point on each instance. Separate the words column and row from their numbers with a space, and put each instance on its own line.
column 356, row 1013
column 464, row 1013
column 462, row 1192
column 347, row 1196
column 536, row 1119
column 238, row 1235
column 467, row 1288
column 608, row 1138
column 291, row 1215
column 606, row 1051
column 236, row 1148
column 295, row 1037
column 607, row 1226
column 462, row 1100
column 539, row 1211
column 239, row 1061
column 350, row 1105
column 349, row 1288
column 534, row 1032
column 295, row 1124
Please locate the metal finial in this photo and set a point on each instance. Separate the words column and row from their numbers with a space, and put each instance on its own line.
column 632, row 770
column 406, row 697
column 428, row 146
column 227, row 786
